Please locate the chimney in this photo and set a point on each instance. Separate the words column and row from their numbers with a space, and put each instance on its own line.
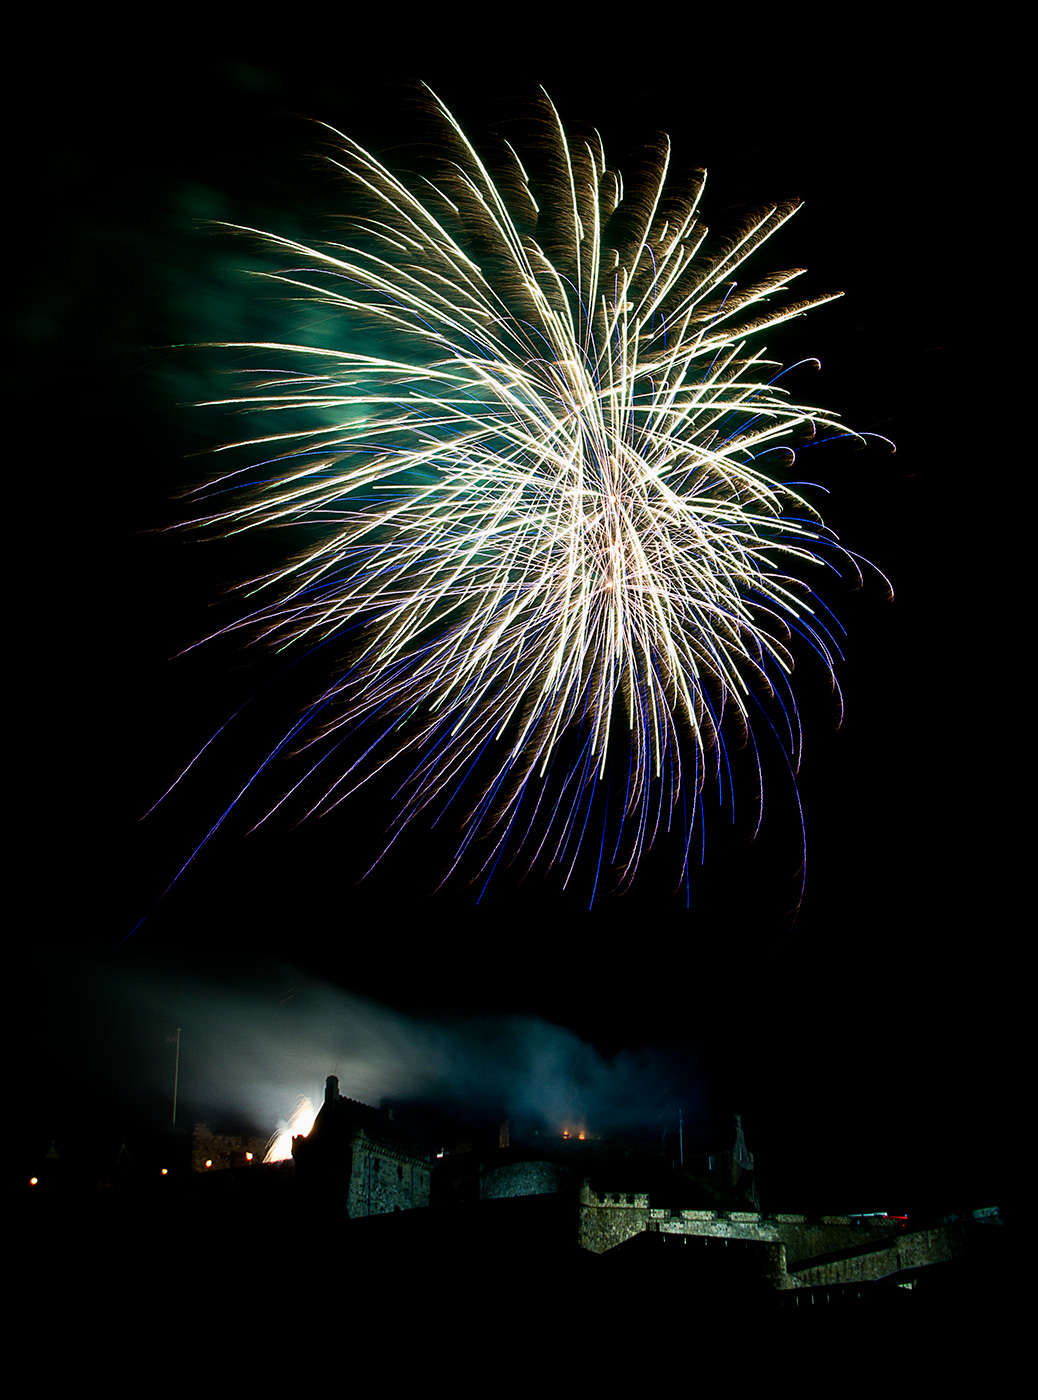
column 331, row 1089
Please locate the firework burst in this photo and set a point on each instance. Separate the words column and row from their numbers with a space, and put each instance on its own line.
column 546, row 524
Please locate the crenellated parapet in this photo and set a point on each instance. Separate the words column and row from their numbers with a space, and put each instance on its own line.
column 791, row 1251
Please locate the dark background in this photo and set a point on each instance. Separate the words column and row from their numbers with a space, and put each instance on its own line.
column 863, row 1040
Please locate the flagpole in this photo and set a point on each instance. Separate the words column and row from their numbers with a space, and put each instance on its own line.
column 176, row 1078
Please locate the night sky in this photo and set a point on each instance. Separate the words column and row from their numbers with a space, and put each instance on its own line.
column 862, row 1039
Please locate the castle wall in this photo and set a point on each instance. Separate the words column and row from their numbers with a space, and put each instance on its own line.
column 800, row 1254
column 524, row 1179
column 218, row 1151
column 913, row 1251
column 384, row 1179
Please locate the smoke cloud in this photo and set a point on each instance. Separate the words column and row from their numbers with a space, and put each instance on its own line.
column 249, row 1049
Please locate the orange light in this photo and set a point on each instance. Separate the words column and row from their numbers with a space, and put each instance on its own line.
column 581, row 1136
column 34, row 1180
column 209, row 1162
column 248, row 1156
column 165, row 1171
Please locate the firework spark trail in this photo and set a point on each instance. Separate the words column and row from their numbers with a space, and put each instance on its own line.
column 543, row 514
column 279, row 1148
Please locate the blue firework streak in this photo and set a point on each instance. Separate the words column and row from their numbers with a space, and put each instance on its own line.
column 544, row 531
